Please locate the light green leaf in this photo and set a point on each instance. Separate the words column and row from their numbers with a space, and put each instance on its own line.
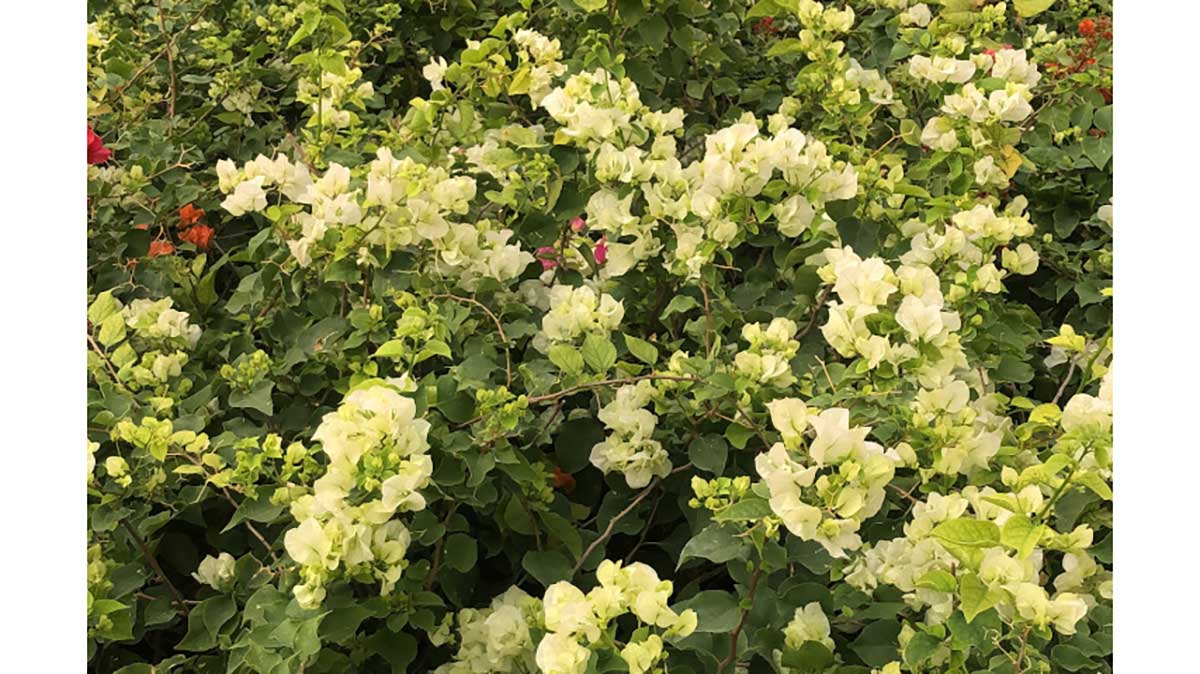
column 599, row 353
column 566, row 357
column 1028, row 8
column 968, row 532
column 1021, row 534
column 714, row 543
column 641, row 349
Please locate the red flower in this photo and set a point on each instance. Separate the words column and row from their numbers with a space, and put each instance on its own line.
column 1087, row 28
column 200, row 236
column 563, row 480
column 96, row 152
column 600, row 252
column 142, row 226
column 578, row 224
column 548, row 256
column 161, row 247
column 189, row 215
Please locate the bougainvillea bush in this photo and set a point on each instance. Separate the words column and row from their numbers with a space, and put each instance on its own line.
column 523, row 336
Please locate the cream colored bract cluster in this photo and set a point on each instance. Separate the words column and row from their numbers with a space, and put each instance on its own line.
column 575, row 621
column 377, row 451
column 629, row 449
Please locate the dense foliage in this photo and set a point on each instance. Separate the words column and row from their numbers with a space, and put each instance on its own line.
column 577, row 336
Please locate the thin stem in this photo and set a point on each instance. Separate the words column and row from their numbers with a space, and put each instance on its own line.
column 737, row 631
column 499, row 329
column 162, row 22
column 154, row 565
column 612, row 524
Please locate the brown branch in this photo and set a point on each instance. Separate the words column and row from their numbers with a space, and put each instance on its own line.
column 436, row 564
column 737, row 631
column 162, row 22
column 707, row 321
column 112, row 371
column 1063, row 386
column 816, row 311
column 146, row 66
column 609, row 382
column 153, row 561
column 499, row 329
column 619, row 516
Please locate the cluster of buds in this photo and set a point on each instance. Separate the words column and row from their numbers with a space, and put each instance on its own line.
column 720, row 493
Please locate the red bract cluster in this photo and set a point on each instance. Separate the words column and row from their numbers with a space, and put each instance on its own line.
column 96, row 152
column 194, row 232
column 1095, row 32
column 161, row 247
column 766, row 26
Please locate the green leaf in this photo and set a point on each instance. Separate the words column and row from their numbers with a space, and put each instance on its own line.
column 1020, row 534
column 920, row 648
column 680, row 304
column 257, row 398
column 653, row 30
column 257, row 510
column 968, row 532
column 810, row 657
column 747, row 509
column 717, row 611
column 1029, row 8
column 1093, row 481
column 939, row 580
column 764, row 8
column 1071, row 658
column 112, row 330
column 876, row 644
column 974, row 596
column 708, row 452
column 862, row 236
column 460, row 552
column 391, row 349
column 566, row 357
column 591, row 5
column 1098, row 150
column 205, row 622
column 564, row 530
column 548, row 566
column 104, row 306
column 599, row 353
column 641, row 349
column 714, row 543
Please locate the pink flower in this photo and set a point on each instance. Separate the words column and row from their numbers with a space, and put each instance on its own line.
column 96, row 152
column 578, row 224
column 600, row 252
column 548, row 256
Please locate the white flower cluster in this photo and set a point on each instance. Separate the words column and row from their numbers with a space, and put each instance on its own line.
column 576, row 312
column 539, row 56
column 808, row 623
column 605, row 115
column 497, row 640
column 406, row 203
column 378, row 452
column 980, row 116
column 329, row 97
column 158, row 321
column 767, row 361
column 846, row 495
column 629, row 449
column 573, row 618
column 1011, row 582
